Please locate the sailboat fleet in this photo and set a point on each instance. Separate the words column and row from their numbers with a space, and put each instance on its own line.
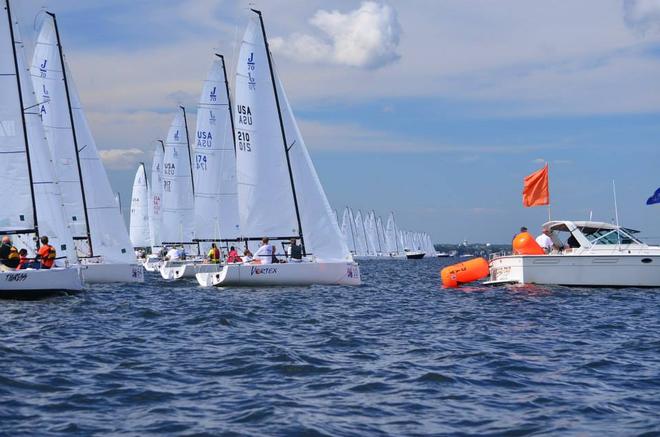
column 367, row 237
column 245, row 175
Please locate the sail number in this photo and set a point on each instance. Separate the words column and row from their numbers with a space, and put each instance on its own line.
column 243, row 141
column 200, row 162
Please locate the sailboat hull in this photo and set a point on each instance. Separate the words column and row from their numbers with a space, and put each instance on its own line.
column 293, row 274
column 189, row 270
column 108, row 273
column 17, row 283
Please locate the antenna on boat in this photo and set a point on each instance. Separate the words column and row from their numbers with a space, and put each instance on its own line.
column 616, row 212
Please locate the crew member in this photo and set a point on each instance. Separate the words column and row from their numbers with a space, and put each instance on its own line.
column 547, row 240
column 295, row 251
column 46, row 254
column 265, row 253
column 232, row 256
column 9, row 257
column 214, row 254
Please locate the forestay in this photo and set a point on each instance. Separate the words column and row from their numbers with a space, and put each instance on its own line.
column 139, row 228
column 177, row 224
column 320, row 228
column 214, row 161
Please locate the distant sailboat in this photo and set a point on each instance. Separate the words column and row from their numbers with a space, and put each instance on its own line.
column 99, row 231
column 280, row 195
column 153, row 261
column 214, row 172
column 139, row 220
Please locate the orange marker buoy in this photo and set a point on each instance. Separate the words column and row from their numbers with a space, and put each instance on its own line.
column 462, row 273
column 525, row 244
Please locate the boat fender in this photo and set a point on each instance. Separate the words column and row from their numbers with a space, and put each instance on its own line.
column 525, row 244
column 462, row 273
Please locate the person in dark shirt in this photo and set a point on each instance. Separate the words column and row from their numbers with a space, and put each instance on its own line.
column 295, row 251
column 9, row 254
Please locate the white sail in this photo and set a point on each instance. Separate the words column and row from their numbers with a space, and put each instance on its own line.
column 347, row 229
column 372, row 236
column 266, row 204
column 380, row 231
column 177, row 225
column 16, row 194
column 156, row 197
column 47, row 78
column 214, row 161
column 360, row 236
column 391, row 236
column 91, row 202
column 320, row 229
column 139, row 228
column 47, row 197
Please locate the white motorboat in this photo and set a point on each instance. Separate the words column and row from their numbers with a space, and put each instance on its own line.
column 93, row 216
column 596, row 254
column 415, row 254
column 305, row 273
column 279, row 193
column 30, row 197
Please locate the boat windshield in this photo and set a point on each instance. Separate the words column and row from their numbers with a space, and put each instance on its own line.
column 609, row 236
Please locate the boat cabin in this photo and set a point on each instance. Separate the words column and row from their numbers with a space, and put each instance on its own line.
column 582, row 236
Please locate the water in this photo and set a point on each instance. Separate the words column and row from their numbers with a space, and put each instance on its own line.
column 397, row 356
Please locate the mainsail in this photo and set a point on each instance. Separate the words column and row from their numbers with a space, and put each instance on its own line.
column 177, row 224
column 279, row 191
column 156, row 196
column 214, row 161
column 139, row 228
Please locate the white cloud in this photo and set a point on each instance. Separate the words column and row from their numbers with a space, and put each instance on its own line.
column 643, row 15
column 121, row 159
column 367, row 37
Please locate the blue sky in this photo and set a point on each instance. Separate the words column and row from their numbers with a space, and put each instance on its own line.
column 433, row 109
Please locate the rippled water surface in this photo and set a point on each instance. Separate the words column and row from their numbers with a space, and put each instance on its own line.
column 397, row 356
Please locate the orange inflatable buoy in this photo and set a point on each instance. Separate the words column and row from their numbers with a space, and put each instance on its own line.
column 525, row 244
column 462, row 273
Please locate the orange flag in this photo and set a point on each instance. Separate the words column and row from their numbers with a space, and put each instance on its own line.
column 535, row 191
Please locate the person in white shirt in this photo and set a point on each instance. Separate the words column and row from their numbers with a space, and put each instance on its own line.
column 265, row 252
column 172, row 254
column 547, row 242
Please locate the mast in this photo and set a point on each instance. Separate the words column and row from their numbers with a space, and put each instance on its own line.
column 73, row 132
column 352, row 220
column 231, row 112
column 377, row 233
column 162, row 145
column 286, row 147
column 25, row 136
column 185, row 122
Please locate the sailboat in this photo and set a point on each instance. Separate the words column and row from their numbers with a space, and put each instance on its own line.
column 214, row 171
column 279, row 193
column 153, row 261
column 98, row 229
column 177, row 220
column 139, row 220
column 347, row 229
column 30, row 196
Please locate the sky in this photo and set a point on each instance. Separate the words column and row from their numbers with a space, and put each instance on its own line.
column 433, row 109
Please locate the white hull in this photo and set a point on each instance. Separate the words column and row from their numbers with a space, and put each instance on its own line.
column 306, row 273
column 34, row 282
column 152, row 264
column 620, row 270
column 179, row 269
column 108, row 273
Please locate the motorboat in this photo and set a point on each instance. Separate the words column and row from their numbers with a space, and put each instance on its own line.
column 415, row 254
column 594, row 254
